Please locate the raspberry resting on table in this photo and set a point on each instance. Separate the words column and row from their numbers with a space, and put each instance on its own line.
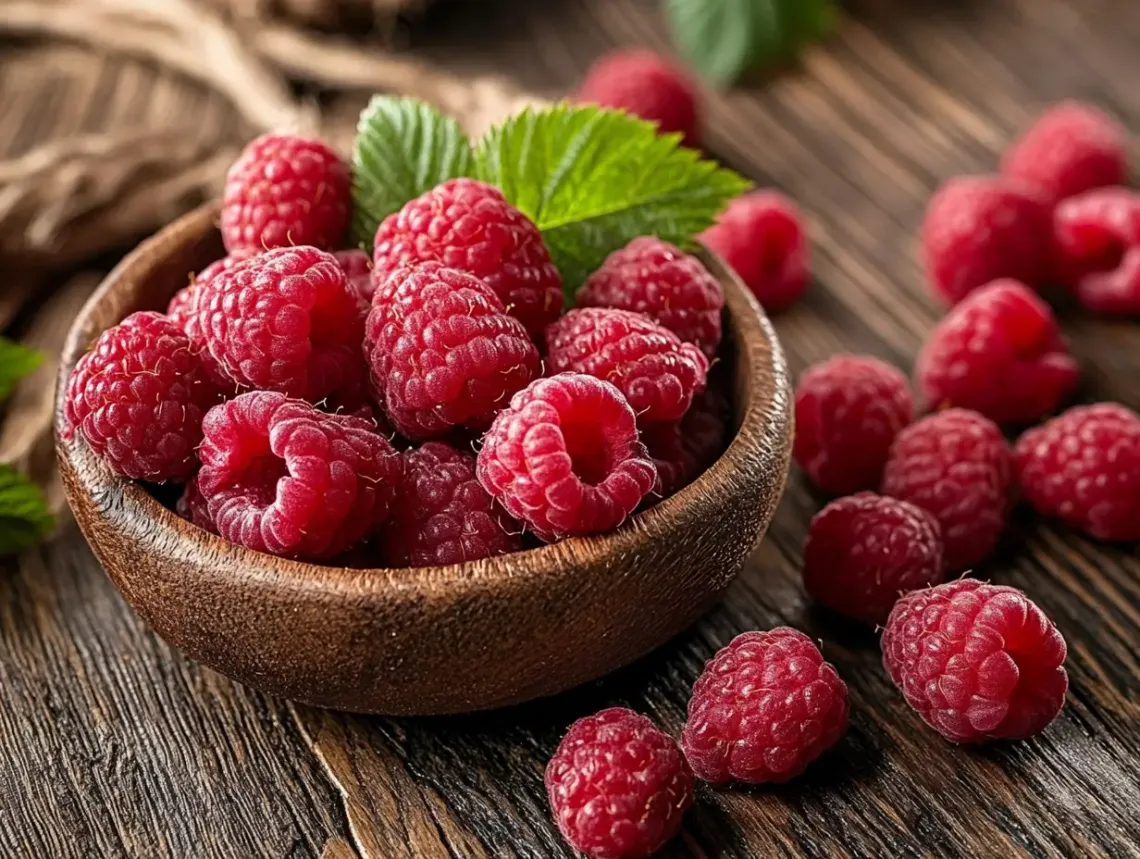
column 1084, row 467
column 565, row 457
column 977, row 661
column 281, row 477
column 1097, row 239
column 618, row 785
column 764, row 707
column 682, row 450
column 357, row 266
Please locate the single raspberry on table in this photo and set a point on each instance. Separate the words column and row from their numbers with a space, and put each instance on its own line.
column 357, row 266
column 761, row 236
column 764, row 707
column 138, row 398
column 957, row 466
column 977, row 661
column 864, row 550
column 281, row 477
column 653, row 277
column 565, row 457
column 1097, row 239
column 979, row 229
column 194, row 508
column 1083, row 467
column 682, row 450
column 998, row 352
column 656, row 372
column 443, row 352
column 284, row 191
column 1071, row 148
column 469, row 225
column 646, row 85
column 849, row 409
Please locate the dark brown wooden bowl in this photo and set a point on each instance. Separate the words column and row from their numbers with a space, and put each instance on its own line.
column 431, row 640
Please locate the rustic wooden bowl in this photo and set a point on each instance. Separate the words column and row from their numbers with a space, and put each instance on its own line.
column 432, row 640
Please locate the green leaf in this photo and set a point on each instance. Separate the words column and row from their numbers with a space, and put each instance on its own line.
column 594, row 179
column 24, row 516
column 16, row 362
column 403, row 148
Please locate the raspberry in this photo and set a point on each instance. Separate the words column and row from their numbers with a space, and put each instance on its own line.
column 998, row 352
column 469, row 225
column 444, row 515
column 848, row 411
column 1070, row 149
column 864, row 550
column 285, row 321
column 1097, row 237
column 682, row 449
column 283, row 478
column 646, row 85
column 955, row 465
column 983, row 228
column 656, row 278
column 1084, row 467
column 357, row 266
column 656, row 372
column 761, row 236
column 442, row 350
column 283, row 191
column 565, row 457
column 976, row 661
column 138, row 398
column 193, row 507
column 764, row 707
column 618, row 785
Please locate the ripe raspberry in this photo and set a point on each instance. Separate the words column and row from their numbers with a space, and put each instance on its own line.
column 646, row 85
column 1070, row 149
column 193, row 507
column 1084, row 467
column 982, row 228
column 955, row 465
column 283, row 478
column 764, row 707
column 682, row 450
column 998, row 352
column 284, row 191
column 469, row 225
column 286, row 321
column 864, row 550
column 761, row 236
column 357, row 266
column 442, row 350
column 656, row 278
column 1097, row 237
column 848, row 411
column 138, row 398
column 656, row 372
column 977, row 661
column 444, row 515
column 565, row 457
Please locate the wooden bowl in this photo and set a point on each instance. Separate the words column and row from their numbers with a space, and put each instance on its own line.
column 440, row 639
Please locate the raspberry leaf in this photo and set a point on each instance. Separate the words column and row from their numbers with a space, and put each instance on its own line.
column 24, row 516
column 16, row 362
column 594, row 179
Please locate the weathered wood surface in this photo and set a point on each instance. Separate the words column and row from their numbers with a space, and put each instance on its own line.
column 113, row 745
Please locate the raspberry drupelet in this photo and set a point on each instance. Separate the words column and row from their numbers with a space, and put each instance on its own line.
column 193, row 507
column 682, row 450
column 1097, row 240
column 357, row 266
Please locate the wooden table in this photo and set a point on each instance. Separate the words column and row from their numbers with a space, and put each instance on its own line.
column 114, row 745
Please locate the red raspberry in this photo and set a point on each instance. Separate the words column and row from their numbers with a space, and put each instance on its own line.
column 470, row 226
column 138, row 398
column 1070, row 149
column 656, row 372
column 864, row 550
column 656, row 278
column 682, row 450
column 848, row 411
column 955, row 465
column 443, row 351
column 618, row 785
column 998, row 352
column 286, row 321
column 284, row 191
column 193, row 507
column 983, row 228
column 646, row 85
column 444, row 516
column 1097, row 237
column 283, row 478
column 977, row 661
column 764, row 707
column 761, row 236
column 1084, row 467
column 357, row 266
column 565, row 457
